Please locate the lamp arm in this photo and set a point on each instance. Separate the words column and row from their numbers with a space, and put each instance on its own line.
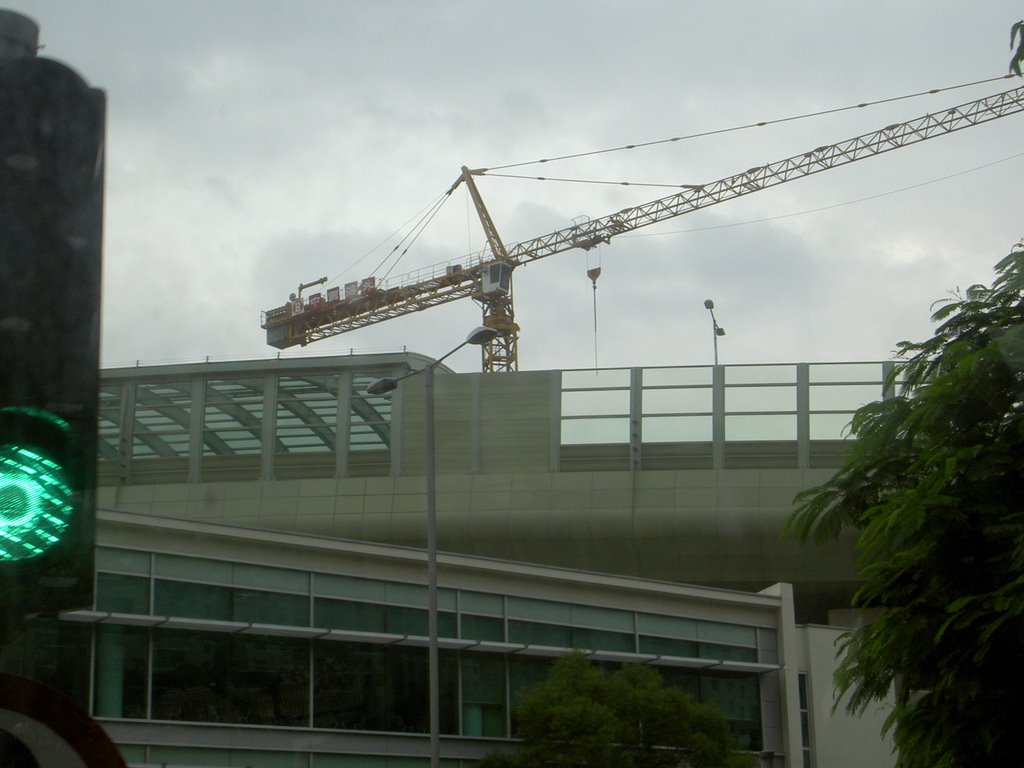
column 446, row 356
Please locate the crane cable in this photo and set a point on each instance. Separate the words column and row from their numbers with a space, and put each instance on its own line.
column 688, row 186
column 426, row 212
column 410, row 237
column 760, row 124
column 413, row 236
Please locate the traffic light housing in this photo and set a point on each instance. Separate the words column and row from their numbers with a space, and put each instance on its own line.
column 51, row 202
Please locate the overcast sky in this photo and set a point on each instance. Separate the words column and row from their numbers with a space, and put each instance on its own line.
column 254, row 145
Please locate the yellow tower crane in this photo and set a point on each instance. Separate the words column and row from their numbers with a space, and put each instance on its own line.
column 488, row 278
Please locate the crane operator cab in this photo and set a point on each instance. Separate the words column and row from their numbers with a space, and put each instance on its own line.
column 496, row 279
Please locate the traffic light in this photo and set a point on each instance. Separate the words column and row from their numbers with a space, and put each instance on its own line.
column 51, row 201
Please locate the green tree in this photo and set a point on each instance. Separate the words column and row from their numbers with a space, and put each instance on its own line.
column 583, row 717
column 1017, row 38
column 934, row 488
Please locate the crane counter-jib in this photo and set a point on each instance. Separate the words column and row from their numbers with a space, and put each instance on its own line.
column 486, row 277
column 301, row 321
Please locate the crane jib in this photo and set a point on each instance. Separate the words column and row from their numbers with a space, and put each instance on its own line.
column 822, row 158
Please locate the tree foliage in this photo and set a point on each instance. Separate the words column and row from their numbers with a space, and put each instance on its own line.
column 934, row 487
column 583, row 717
column 1017, row 38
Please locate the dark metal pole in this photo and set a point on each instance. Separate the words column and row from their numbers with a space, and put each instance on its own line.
column 479, row 336
column 432, row 655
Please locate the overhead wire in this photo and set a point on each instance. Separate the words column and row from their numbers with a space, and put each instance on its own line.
column 588, row 181
column 432, row 209
column 433, row 204
column 759, row 124
column 411, row 236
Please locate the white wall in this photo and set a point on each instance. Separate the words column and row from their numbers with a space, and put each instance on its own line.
column 839, row 739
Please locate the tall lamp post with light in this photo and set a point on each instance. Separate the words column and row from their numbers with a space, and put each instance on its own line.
column 479, row 336
column 716, row 329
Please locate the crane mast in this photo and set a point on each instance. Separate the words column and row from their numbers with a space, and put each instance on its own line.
column 487, row 277
column 501, row 353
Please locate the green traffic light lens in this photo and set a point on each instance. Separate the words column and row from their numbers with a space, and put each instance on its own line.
column 36, row 503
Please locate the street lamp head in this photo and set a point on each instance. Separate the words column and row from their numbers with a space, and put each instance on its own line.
column 481, row 335
column 709, row 304
column 381, row 386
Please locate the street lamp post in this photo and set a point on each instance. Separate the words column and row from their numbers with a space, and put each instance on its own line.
column 479, row 336
column 716, row 329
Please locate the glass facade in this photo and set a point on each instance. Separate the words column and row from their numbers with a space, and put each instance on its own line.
column 54, row 653
column 369, row 429
column 310, row 425
column 232, row 417
column 109, row 421
column 200, row 640
column 706, row 417
column 216, row 677
column 307, row 414
column 319, row 424
column 161, row 420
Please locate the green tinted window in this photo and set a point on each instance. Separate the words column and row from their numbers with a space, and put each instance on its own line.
column 413, row 621
column 197, row 601
column 51, row 652
column 597, row 639
column 539, row 610
column 270, row 607
column 123, row 560
column 349, row 614
column 206, row 601
column 349, row 586
column 278, row 579
column 379, row 688
column 726, row 652
column 121, row 671
column 406, row 621
column 480, row 602
column 716, row 632
column 220, row 678
column 122, row 594
column 666, row 626
column 535, row 633
column 482, row 628
column 738, row 696
column 483, row 695
column 177, row 567
column 375, row 617
column 664, row 646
